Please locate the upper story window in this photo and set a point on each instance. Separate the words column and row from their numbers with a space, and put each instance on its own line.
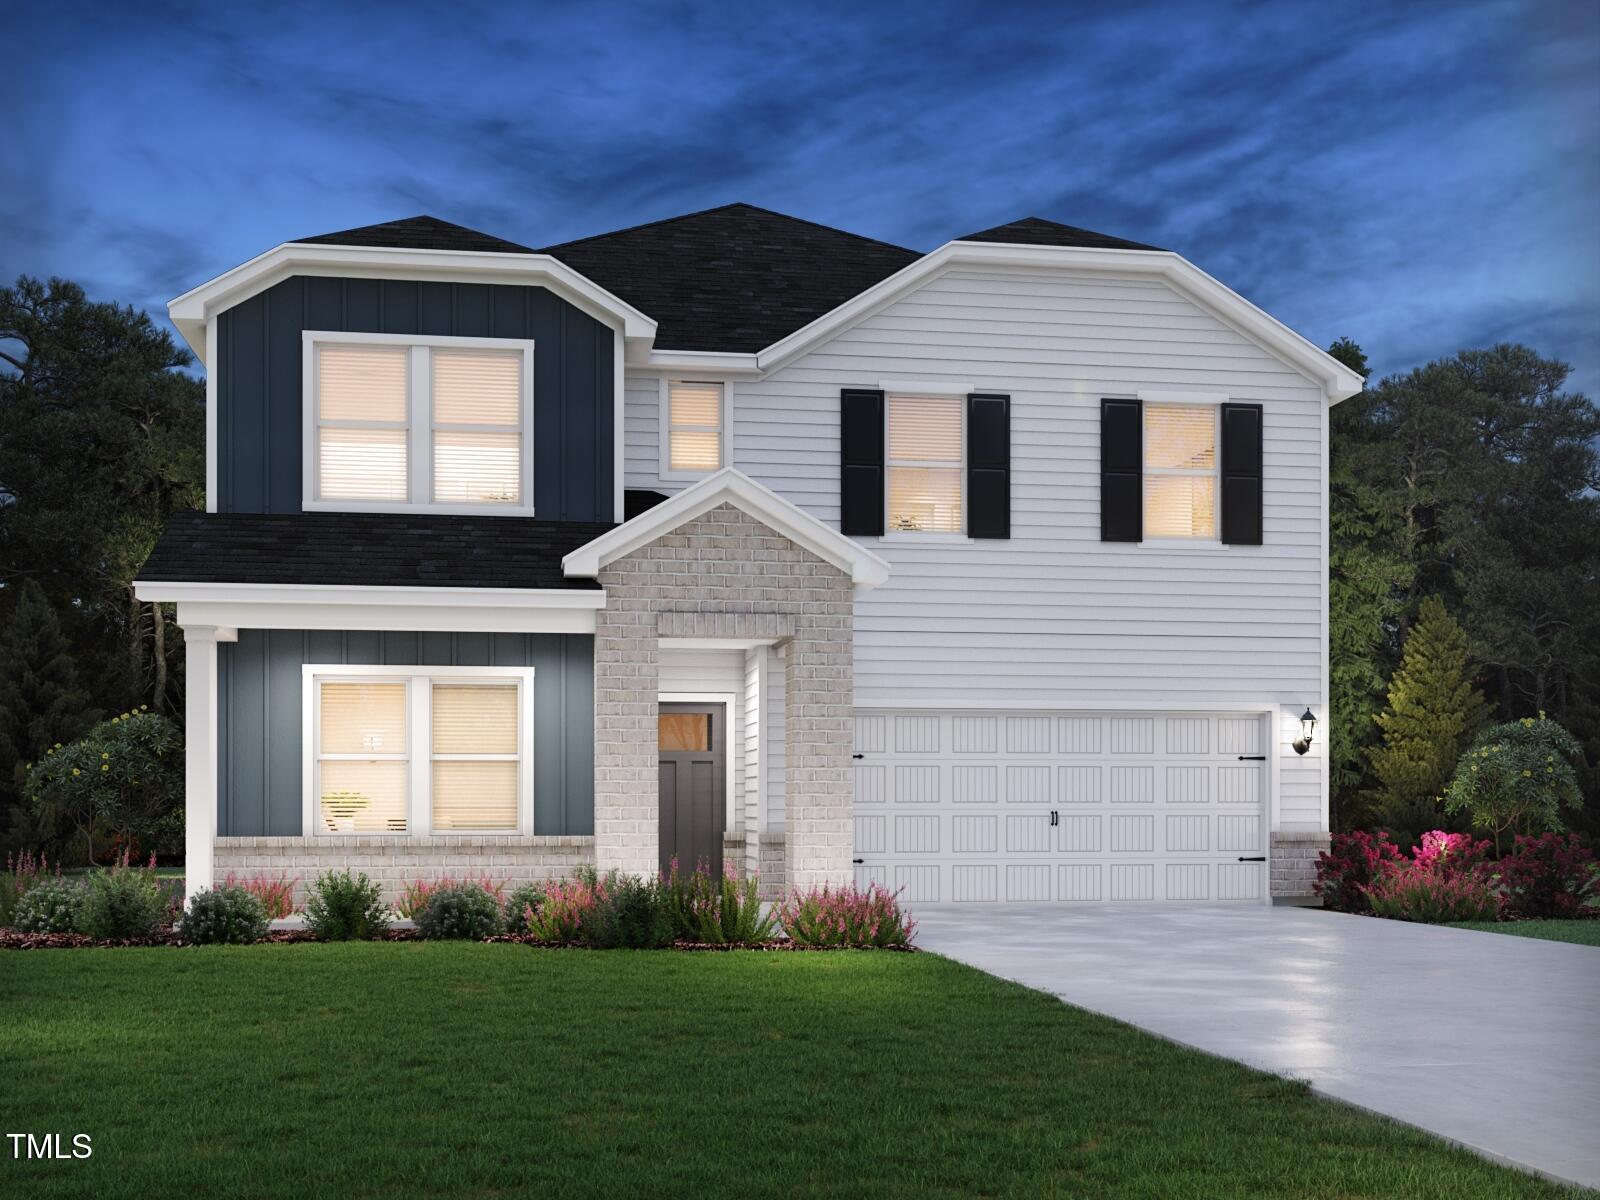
column 1180, row 471
column 695, row 426
column 926, row 464
column 396, row 422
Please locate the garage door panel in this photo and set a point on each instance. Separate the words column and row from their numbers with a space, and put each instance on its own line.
column 1061, row 807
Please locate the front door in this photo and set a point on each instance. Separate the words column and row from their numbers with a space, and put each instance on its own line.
column 693, row 782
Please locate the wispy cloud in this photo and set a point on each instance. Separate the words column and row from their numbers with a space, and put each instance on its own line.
column 1419, row 177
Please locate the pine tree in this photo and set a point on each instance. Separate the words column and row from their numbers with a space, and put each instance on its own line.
column 1433, row 711
column 41, row 700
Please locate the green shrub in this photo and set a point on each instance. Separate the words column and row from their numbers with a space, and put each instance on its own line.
column 631, row 914
column 343, row 907
column 725, row 912
column 49, row 907
column 521, row 899
column 566, row 910
column 461, row 910
column 1516, row 778
column 226, row 915
column 123, row 903
column 847, row 916
column 23, row 871
column 122, row 783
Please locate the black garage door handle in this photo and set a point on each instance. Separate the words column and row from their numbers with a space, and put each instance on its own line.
column 1255, row 858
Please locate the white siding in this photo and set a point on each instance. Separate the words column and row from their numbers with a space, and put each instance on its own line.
column 1054, row 618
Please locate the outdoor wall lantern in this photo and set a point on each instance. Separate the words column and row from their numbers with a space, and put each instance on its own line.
column 1308, row 725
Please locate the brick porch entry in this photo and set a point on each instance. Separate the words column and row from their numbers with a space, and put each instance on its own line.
column 725, row 575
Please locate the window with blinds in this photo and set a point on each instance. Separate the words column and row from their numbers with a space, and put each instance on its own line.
column 363, row 422
column 408, row 751
column 1180, row 471
column 363, row 763
column 477, row 426
column 475, row 762
column 925, row 454
column 402, row 424
column 694, row 426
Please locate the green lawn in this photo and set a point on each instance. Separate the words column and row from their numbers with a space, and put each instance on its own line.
column 467, row 1070
column 1583, row 933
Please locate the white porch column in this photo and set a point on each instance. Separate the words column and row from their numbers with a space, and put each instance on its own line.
column 200, row 752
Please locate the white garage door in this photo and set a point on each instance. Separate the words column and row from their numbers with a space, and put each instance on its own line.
column 1078, row 807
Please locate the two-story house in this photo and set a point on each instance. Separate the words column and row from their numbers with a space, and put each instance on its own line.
column 996, row 573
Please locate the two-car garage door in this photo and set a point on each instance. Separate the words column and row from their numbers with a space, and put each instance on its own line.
column 1038, row 806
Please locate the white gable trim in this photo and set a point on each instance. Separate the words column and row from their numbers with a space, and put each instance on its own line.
column 1337, row 381
column 729, row 486
column 190, row 311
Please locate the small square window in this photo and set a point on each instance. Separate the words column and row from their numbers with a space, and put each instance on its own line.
column 694, row 426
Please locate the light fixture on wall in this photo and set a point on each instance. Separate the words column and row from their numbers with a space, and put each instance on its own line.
column 1308, row 725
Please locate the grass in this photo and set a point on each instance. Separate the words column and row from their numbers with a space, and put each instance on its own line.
column 1583, row 933
column 469, row 1070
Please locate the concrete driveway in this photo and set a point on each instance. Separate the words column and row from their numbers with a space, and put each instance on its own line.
column 1488, row 1040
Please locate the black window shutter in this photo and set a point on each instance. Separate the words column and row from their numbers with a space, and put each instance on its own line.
column 861, row 462
column 988, row 465
column 1241, row 474
column 1121, row 471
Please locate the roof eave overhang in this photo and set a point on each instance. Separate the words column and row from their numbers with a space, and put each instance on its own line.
column 866, row 569
column 191, row 311
column 1338, row 381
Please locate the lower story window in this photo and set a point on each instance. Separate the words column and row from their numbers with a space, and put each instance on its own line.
column 395, row 751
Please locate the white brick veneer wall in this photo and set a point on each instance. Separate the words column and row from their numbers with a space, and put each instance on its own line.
column 394, row 862
column 725, row 575
column 1294, row 863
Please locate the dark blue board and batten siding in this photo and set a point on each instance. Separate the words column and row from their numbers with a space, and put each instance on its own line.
column 260, row 716
column 260, row 363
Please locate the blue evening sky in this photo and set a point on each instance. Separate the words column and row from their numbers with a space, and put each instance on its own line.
column 1420, row 177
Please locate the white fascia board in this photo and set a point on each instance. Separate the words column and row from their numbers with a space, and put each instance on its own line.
column 734, row 487
column 190, row 311
column 1337, row 381
column 308, row 606
column 691, row 362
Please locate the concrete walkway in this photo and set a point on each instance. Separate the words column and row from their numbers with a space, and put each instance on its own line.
column 1488, row 1040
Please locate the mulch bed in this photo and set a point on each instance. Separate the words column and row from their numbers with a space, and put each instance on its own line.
column 14, row 939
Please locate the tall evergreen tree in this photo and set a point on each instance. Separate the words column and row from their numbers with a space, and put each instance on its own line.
column 1433, row 711
column 41, row 700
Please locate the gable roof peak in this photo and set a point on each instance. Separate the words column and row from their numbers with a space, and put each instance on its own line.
column 1038, row 231
column 421, row 232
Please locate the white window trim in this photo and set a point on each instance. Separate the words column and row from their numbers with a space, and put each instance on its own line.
column 419, row 742
column 1184, row 400
column 419, row 446
column 725, row 438
column 889, row 463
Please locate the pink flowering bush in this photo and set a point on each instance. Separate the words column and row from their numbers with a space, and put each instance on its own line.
column 23, row 872
column 1349, row 865
column 275, row 893
column 1433, row 896
column 720, row 912
column 567, row 910
column 1551, row 876
column 415, row 895
column 846, row 916
column 1451, row 853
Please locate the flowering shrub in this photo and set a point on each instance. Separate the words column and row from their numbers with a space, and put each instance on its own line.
column 343, row 907
column 275, row 893
column 846, row 916
column 226, row 915
column 124, row 902
column 459, row 910
column 630, row 914
column 517, row 905
column 1516, row 778
column 725, row 912
column 49, row 907
column 23, row 872
column 1550, row 876
column 1349, row 865
column 122, row 783
column 564, row 915
column 414, row 896
column 1450, row 853
column 1410, row 893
